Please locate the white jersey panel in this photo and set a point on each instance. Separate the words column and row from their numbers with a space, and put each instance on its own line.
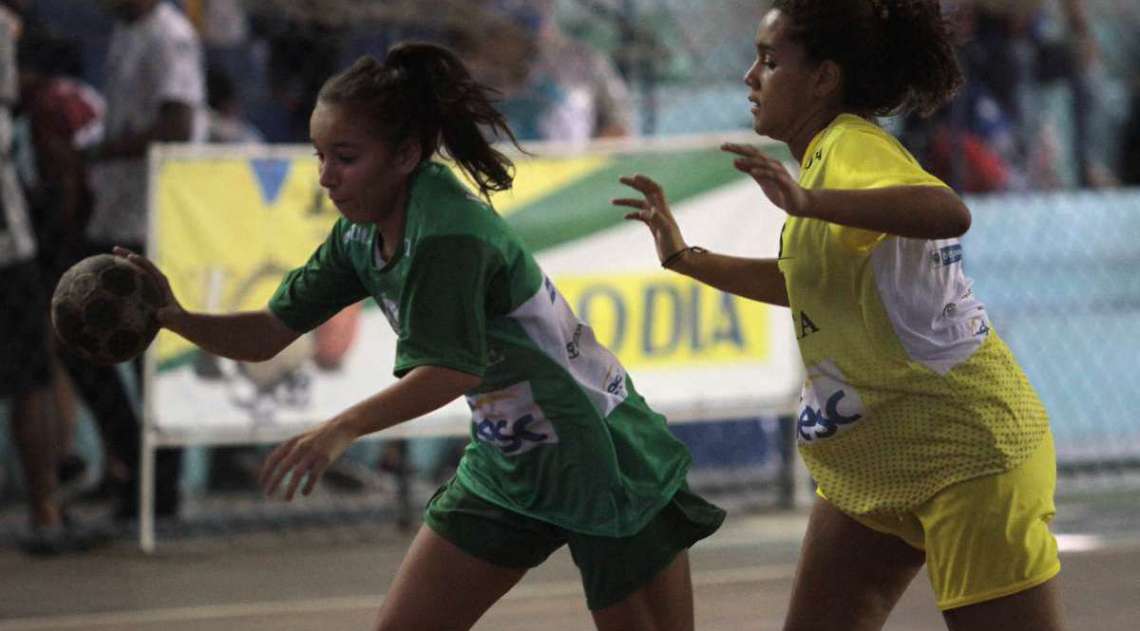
column 553, row 328
column 511, row 420
column 930, row 301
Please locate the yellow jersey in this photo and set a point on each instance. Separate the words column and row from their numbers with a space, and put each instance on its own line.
column 908, row 388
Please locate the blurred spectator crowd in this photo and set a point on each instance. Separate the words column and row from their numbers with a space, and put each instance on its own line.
column 1051, row 99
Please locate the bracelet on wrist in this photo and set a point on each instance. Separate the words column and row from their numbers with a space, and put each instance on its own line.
column 676, row 256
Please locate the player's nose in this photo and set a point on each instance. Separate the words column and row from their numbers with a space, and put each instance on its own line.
column 328, row 177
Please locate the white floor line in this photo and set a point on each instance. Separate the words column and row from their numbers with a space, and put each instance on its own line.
column 1078, row 543
column 553, row 589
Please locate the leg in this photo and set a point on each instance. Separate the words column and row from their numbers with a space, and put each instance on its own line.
column 104, row 393
column 849, row 576
column 664, row 604
column 1036, row 609
column 31, row 433
column 992, row 559
column 66, row 408
column 642, row 582
column 25, row 376
column 103, row 390
column 435, row 571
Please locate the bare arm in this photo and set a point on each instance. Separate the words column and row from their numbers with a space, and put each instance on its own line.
column 892, row 210
column 756, row 279
column 920, row 212
column 423, row 390
column 259, row 335
column 251, row 336
column 175, row 124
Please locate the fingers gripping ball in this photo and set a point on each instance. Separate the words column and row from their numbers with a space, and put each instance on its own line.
column 104, row 309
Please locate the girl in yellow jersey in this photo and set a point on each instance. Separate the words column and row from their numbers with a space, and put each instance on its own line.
column 926, row 440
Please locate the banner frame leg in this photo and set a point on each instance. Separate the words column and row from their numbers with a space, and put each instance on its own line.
column 146, row 493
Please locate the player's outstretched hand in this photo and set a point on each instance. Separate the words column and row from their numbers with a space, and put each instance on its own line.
column 772, row 177
column 304, row 457
column 170, row 306
column 652, row 209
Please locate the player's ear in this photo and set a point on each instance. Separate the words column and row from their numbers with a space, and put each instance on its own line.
column 408, row 156
column 828, row 79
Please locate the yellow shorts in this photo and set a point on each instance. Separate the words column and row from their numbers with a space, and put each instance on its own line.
column 985, row 538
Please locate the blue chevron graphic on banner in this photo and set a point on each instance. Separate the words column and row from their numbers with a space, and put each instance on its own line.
column 271, row 174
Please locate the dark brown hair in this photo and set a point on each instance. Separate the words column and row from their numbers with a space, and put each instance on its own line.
column 423, row 92
column 897, row 56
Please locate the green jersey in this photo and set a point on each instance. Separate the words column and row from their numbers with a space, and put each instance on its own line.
column 558, row 431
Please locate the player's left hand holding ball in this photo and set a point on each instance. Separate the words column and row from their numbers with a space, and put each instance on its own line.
column 170, row 306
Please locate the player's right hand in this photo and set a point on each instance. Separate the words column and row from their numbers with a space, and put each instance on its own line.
column 170, row 308
column 652, row 209
column 304, row 457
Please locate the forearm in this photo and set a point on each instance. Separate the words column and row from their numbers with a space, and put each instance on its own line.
column 920, row 212
column 423, row 390
column 755, row 279
column 125, row 146
column 174, row 124
column 244, row 336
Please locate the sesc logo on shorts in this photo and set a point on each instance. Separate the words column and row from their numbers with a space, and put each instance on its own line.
column 828, row 405
column 510, row 420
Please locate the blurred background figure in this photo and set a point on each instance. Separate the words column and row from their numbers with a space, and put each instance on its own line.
column 26, row 370
column 299, row 46
column 1117, row 29
column 60, row 115
column 553, row 86
column 155, row 92
column 25, row 357
column 227, row 120
column 1033, row 114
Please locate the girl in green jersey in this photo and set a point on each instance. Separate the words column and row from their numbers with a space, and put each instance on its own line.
column 563, row 450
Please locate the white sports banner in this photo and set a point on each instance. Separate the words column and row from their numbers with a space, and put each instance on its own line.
column 228, row 222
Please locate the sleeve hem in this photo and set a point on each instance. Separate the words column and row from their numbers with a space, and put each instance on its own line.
column 403, row 368
column 288, row 320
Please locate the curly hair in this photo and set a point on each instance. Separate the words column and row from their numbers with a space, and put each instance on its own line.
column 897, row 56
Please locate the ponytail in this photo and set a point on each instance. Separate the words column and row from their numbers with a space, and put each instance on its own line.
column 424, row 94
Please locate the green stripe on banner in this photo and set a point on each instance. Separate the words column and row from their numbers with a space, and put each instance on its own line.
column 583, row 207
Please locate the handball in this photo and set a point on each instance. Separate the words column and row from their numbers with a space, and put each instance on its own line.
column 104, row 308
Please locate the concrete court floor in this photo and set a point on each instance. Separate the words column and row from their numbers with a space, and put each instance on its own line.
column 298, row 580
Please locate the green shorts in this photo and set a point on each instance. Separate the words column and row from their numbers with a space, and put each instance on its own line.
column 612, row 568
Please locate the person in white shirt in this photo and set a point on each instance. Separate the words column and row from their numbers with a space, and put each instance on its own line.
column 155, row 92
column 25, row 367
column 553, row 87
